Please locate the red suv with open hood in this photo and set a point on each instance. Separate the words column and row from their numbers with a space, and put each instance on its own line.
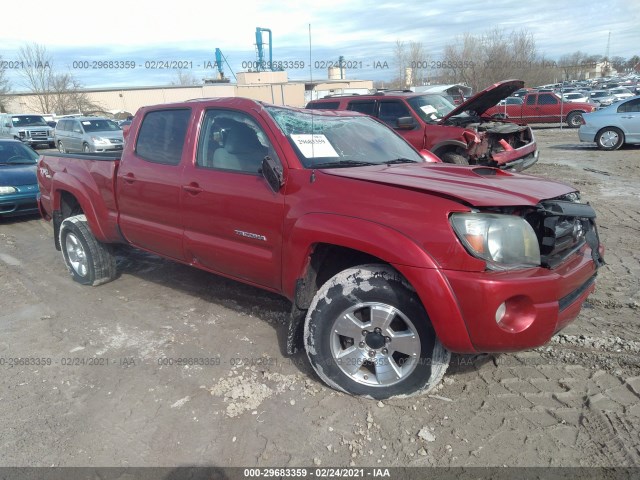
column 461, row 134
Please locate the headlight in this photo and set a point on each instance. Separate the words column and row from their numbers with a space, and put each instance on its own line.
column 100, row 140
column 7, row 190
column 505, row 242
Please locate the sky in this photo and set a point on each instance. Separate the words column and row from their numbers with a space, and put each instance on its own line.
column 148, row 34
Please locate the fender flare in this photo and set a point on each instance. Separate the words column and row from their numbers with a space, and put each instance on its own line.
column 378, row 240
column 63, row 182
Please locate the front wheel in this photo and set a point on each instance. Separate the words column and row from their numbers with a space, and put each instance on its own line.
column 455, row 158
column 86, row 148
column 89, row 261
column 61, row 148
column 367, row 333
column 610, row 138
column 574, row 119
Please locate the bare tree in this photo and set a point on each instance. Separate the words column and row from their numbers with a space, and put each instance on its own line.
column 399, row 61
column 185, row 79
column 69, row 97
column 619, row 63
column 53, row 92
column 37, row 75
column 5, row 90
column 417, row 61
column 479, row 61
column 574, row 65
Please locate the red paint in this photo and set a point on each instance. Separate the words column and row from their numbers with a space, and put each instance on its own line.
column 398, row 213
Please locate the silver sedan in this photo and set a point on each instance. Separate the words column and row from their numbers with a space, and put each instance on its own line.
column 612, row 126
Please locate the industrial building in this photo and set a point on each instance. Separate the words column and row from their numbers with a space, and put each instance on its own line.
column 268, row 86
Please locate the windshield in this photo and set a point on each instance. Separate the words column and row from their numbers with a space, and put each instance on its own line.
column 431, row 108
column 15, row 153
column 29, row 121
column 331, row 141
column 100, row 126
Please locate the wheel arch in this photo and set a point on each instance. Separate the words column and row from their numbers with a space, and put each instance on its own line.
column 326, row 241
column 71, row 199
column 450, row 146
column 322, row 245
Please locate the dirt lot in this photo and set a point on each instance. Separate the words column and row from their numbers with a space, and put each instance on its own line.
column 575, row 402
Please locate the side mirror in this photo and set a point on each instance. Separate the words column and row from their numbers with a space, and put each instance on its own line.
column 405, row 123
column 272, row 173
column 7, row 125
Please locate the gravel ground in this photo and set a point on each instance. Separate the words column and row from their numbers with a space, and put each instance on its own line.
column 574, row 402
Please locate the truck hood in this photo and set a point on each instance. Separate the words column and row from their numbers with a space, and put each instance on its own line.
column 475, row 186
column 487, row 98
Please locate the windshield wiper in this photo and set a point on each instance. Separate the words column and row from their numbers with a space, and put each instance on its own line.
column 343, row 163
column 400, row 160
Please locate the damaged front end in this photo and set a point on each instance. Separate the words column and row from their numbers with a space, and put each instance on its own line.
column 498, row 143
column 503, row 145
column 563, row 227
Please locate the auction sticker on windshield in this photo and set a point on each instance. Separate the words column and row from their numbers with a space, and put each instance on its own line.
column 312, row 146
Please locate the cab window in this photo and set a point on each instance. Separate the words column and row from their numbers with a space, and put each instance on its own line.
column 162, row 134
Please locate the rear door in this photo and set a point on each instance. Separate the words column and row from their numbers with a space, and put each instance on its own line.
column 149, row 184
column 232, row 219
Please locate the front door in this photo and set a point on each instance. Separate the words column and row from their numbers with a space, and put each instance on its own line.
column 232, row 219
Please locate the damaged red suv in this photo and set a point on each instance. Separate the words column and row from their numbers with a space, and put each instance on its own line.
column 461, row 135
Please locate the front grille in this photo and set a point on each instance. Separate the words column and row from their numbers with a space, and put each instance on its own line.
column 562, row 228
column 38, row 134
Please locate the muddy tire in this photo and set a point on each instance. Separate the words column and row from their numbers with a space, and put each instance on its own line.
column 89, row 261
column 610, row 138
column 455, row 158
column 574, row 119
column 367, row 333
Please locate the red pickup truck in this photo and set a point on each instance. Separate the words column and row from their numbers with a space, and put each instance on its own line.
column 543, row 107
column 390, row 262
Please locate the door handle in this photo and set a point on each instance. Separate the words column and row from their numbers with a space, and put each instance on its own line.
column 192, row 188
column 129, row 178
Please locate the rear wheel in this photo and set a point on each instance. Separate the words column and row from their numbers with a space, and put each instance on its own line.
column 455, row 158
column 367, row 333
column 609, row 138
column 89, row 261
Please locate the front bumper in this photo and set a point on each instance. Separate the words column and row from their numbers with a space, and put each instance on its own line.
column 18, row 204
column 522, row 163
column 538, row 303
column 112, row 147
